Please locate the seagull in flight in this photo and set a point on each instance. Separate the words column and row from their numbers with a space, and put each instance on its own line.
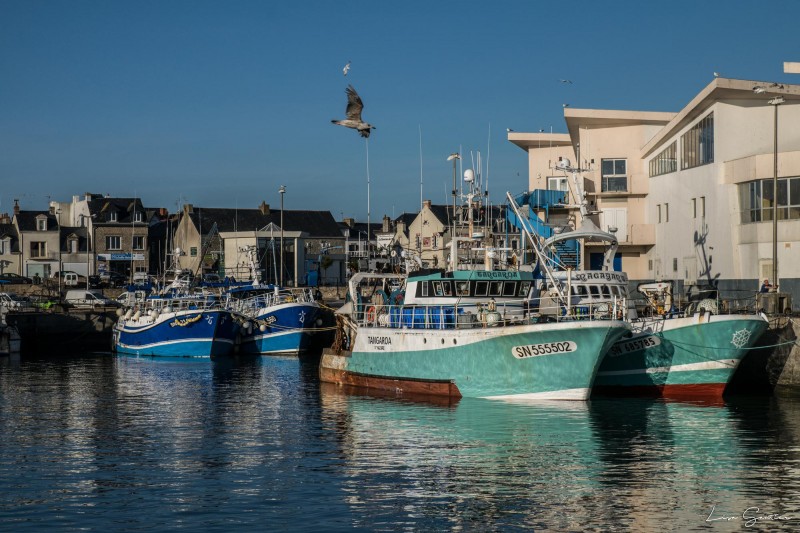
column 353, row 112
column 346, row 68
column 566, row 81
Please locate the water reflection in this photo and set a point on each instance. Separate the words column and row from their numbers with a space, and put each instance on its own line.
column 634, row 464
column 259, row 443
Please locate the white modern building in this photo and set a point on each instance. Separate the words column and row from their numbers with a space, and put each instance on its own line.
column 688, row 193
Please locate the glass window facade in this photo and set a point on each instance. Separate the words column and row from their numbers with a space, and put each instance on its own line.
column 615, row 175
column 665, row 162
column 697, row 144
column 756, row 200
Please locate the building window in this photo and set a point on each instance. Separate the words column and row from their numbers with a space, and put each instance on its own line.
column 73, row 246
column 665, row 162
column 38, row 249
column 697, row 144
column 137, row 216
column 41, row 224
column 756, row 200
column 138, row 242
column 557, row 183
column 674, row 264
column 193, row 251
column 113, row 242
column 112, row 216
column 615, row 175
column 650, row 265
column 666, row 212
column 703, row 206
column 694, row 207
column 658, row 207
column 3, row 246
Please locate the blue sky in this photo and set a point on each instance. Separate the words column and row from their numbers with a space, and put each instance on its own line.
column 219, row 103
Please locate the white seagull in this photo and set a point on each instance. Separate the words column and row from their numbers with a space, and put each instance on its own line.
column 353, row 112
column 566, row 81
column 346, row 68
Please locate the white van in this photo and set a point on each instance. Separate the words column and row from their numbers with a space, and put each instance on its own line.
column 90, row 298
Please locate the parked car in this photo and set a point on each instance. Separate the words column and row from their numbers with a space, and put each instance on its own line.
column 68, row 278
column 91, row 298
column 10, row 277
column 96, row 282
column 115, row 279
column 15, row 302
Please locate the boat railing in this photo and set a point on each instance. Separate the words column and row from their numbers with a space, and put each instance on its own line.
column 254, row 304
column 483, row 314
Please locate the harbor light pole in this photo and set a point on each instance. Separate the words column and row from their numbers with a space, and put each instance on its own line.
column 282, row 190
column 775, row 102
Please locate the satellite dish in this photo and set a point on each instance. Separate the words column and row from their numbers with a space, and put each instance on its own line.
column 469, row 175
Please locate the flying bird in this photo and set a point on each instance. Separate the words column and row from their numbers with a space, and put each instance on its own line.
column 346, row 68
column 566, row 81
column 353, row 112
column 716, row 74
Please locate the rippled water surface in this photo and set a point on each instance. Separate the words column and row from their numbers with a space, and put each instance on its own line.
column 129, row 444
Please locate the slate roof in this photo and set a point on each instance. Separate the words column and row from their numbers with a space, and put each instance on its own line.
column 66, row 231
column 10, row 231
column 124, row 207
column 317, row 224
column 26, row 220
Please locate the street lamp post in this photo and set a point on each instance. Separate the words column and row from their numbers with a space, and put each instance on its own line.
column 282, row 190
column 775, row 102
column 83, row 221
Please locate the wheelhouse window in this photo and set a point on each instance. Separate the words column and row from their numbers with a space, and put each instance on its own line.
column 113, row 242
column 510, row 289
column 495, row 288
column 462, row 288
column 615, row 175
column 481, row 288
column 697, row 144
column 524, row 288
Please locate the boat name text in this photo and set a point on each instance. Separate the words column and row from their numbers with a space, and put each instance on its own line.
column 496, row 275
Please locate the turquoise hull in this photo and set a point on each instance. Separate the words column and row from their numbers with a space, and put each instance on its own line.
column 545, row 361
column 681, row 357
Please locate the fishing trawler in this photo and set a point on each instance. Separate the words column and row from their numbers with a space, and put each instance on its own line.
column 274, row 320
column 680, row 353
column 485, row 328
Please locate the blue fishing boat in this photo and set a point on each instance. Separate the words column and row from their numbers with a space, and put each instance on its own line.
column 274, row 320
column 182, row 325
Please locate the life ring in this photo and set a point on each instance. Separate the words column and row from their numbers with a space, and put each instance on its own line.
column 371, row 313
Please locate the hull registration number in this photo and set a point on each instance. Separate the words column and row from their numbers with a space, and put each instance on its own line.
column 547, row 348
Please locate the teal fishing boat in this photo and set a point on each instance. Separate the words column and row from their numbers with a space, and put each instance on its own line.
column 486, row 327
column 680, row 353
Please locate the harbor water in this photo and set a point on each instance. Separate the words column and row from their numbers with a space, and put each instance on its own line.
column 112, row 443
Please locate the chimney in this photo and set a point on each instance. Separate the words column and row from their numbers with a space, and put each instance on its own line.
column 16, row 206
column 426, row 203
column 52, row 210
column 264, row 208
column 349, row 221
column 386, row 224
column 188, row 208
column 5, row 219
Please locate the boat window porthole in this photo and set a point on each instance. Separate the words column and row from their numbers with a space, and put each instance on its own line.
column 442, row 341
column 455, row 341
column 424, row 341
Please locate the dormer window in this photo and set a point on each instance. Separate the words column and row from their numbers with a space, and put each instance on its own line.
column 73, row 245
column 137, row 216
column 112, row 216
column 41, row 224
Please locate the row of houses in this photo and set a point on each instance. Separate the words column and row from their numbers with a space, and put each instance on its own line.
column 95, row 234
